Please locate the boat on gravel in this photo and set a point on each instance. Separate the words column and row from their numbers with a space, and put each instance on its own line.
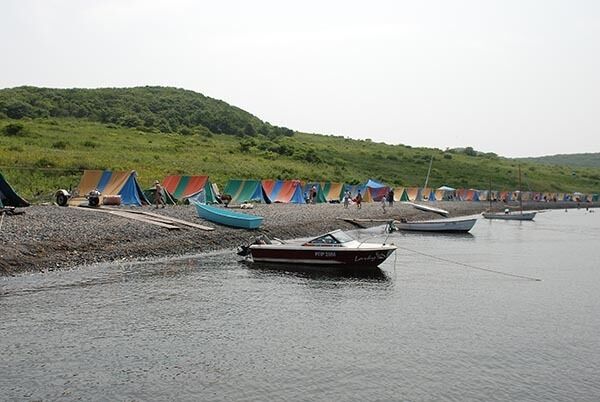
column 454, row 225
column 335, row 248
column 224, row 216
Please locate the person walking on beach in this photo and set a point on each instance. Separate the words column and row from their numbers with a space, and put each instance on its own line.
column 358, row 200
column 347, row 197
column 383, row 202
column 390, row 197
column 158, row 194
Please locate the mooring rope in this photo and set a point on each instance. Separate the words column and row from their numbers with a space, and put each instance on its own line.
column 470, row 266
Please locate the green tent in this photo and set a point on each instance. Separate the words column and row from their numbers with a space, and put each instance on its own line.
column 246, row 190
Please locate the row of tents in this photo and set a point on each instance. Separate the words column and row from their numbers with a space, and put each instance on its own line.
column 179, row 188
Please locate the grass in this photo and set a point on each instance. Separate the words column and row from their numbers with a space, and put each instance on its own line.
column 51, row 153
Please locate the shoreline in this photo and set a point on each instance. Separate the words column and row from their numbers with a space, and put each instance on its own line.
column 48, row 238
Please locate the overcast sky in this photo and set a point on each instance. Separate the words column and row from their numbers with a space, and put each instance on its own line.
column 519, row 78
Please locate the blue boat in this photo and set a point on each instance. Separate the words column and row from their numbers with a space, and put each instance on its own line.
column 226, row 217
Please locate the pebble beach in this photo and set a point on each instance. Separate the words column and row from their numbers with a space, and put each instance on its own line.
column 47, row 238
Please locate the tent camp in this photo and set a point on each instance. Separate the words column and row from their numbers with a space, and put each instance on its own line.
column 8, row 196
column 184, row 187
column 332, row 191
column 107, row 182
column 464, row 194
column 246, row 190
column 284, row 191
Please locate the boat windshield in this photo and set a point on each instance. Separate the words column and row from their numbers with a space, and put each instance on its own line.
column 330, row 239
column 342, row 237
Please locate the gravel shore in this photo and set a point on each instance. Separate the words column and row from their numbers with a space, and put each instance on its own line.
column 47, row 238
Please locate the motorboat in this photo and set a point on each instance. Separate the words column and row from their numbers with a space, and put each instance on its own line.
column 454, row 225
column 226, row 217
column 335, row 248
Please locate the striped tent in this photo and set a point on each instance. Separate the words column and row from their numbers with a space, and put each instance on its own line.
column 400, row 194
column 246, row 190
column 306, row 188
column 184, row 187
column 284, row 191
column 108, row 182
column 332, row 191
column 375, row 191
column 412, row 193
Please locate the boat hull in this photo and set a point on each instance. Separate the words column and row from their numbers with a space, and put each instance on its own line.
column 456, row 226
column 321, row 257
column 525, row 216
column 228, row 218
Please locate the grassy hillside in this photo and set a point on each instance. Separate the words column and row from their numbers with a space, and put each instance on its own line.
column 575, row 160
column 43, row 150
column 48, row 154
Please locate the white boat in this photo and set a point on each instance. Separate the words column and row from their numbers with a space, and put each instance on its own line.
column 507, row 215
column 437, row 225
column 510, row 216
column 331, row 249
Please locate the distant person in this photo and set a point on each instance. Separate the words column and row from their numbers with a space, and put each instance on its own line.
column 347, row 197
column 383, row 203
column 158, row 194
column 313, row 194
column 390, row 197
column 358, row 200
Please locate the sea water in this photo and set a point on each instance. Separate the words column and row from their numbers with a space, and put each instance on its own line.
column 428, row 326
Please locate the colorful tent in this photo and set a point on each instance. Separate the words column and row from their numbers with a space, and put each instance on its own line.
column 333, row 192
column 107, row 182
column 412, row 193
column 246, row 190
column 400, row 194
column 464, row 194
column 445, row 193
column 375, row 191
column 184, row 187
column 284, row 191
column 8, row 196
column 320, row 193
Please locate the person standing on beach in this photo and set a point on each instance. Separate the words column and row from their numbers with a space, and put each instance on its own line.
column 313, row 195
column 358, row 200
column 383, row 202
column 390, row 197
column 158, row 194
column 347, row 197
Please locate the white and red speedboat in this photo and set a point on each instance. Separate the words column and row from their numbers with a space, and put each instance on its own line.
column 331, row 249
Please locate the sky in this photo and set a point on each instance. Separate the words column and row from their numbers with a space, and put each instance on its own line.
column 514, row 77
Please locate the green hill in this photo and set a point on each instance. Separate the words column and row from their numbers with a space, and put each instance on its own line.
column 573, row 160
column 48, row 136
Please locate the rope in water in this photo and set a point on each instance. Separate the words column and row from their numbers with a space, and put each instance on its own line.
column 470, row 266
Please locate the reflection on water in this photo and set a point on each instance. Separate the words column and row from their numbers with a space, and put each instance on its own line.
column 210, row 327
column 317, row 272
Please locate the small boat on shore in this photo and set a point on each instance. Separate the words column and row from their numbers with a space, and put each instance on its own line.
column 428, row 208
column 226, row 217
column 436, row 225
column 335, row 248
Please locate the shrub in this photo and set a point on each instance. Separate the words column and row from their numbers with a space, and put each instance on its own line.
column 14, row 130
column 89, row 144
column 59, row 145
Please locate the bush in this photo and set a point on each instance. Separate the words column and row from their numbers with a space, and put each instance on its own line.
column 89, row 144
column 14, row 130
column 447, row 156
column 59, row 145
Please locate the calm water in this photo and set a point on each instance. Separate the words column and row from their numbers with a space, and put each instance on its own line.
column 211, row 328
